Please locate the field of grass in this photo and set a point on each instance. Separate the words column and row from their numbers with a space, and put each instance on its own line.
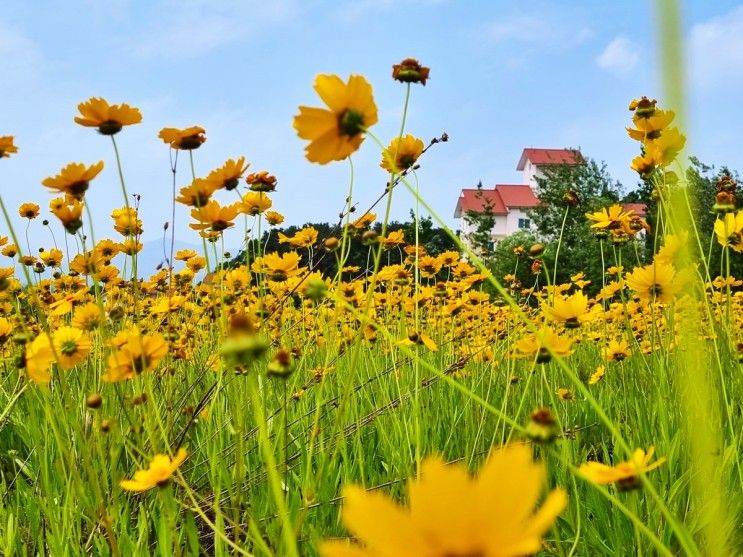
column 170, row 415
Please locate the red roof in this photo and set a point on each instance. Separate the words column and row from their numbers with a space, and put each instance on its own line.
column 502, row 198
column 476, row 200
column 517, row 195
column 640, row 209
column 549, row 156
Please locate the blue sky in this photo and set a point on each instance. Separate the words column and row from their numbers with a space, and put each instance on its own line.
column 504, row 75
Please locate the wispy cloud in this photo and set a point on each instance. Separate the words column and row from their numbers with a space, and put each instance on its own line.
column 716, row 50
column 191, row 28
column 539, row 29
column 620, row 56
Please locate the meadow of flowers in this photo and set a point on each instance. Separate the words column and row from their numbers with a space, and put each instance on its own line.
column 254, row 406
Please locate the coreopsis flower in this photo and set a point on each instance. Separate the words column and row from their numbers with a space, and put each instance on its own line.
column 665, row 149
column 651, row 127
column 410, row 71
column 543, row 344
column 274, row 218
column 74, row 179
column 11, row 250
column 571, row 310
column 29, row 210
column 87, row 317
column 184, row 254
column 214, row 217
column 364, row 221
column 614, row 218
column 126, row 221
column 255, row 203
column 304, row 238
column 88, row 263
column 185, row 139
column 135, row 354
column 198, row 193
column 419, row 339
column 69, row 213
column 597, row 375
column 401, row 154
column 108, row 118
column 450, row 513
column 39, row 356
column 228, row 175
column 130, row 246
column 336, row 132
column 71, row 346
column 107, row 249
column 616, row 350
column 261, row 181
column 7, row 147
column 729, row 231
column 655, row 282
column 52, row 258
column 394, row 239
column 277, row 267
column 161, row 469
column 625, row 474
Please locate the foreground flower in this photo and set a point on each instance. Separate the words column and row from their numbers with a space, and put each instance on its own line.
column 162, row 467
column 625, row 474
column 108, row 118
column 7, row 147
column 729, row 231
column 74, row 179
column 186, row 139
column 543, row 344
column 401, row 153
column 336, row 132
column 451, row 513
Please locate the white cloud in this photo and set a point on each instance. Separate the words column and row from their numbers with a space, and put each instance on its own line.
column 716, row 50
column 620, row 56
column 540, row 28
column 20, row 57
column 190, row 28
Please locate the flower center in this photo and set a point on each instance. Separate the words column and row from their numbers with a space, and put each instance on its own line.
column 351, row 122
column 68, row 348
column 109, row 127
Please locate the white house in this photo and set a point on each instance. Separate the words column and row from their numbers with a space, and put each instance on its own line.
column 509, row 203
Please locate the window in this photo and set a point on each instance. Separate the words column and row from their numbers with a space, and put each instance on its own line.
column 524, row 223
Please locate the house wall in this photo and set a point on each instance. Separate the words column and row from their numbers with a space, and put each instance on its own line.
column 531, row 173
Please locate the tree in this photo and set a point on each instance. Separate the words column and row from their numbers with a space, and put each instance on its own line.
column 566, row 193
column 483, row 221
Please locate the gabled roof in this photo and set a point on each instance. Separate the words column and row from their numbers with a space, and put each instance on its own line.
column 517, row 195
column 640, row 209
column 476, row 200
column 549, row 156
column 502, row 199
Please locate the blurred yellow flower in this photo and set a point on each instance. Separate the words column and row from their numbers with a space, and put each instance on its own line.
column 74, row 179
column 161, row 469
column 7, row 147
column 625, row 474
column 450, row 513
column 185, row 139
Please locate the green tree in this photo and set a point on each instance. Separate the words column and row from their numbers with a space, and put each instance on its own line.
column 566, row 193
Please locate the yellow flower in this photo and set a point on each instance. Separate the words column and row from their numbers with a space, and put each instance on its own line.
column 543, row 344
column 650, row 128
column 274, row 218
column 71, row 346
column 393, row 239
column 214, row 217
column 625, row 474
column 136, row 354
column 305, row 238
column 419, row 339
column 450, row 513
column 69, row 214
column 616, row 351
column 74, row 179
column 410, row 71
column 52, row 258
column 255, row 203
column 597, row 375
column 228, row 175
column 87, row 317
column 28, row 210
column 729, row 231
column 401, row 154
column 126, row 221
column 665, row 149
column 571, row 310
column 277, row 267
column 7, row 147
column 39, row 356
column 161, row 469
column 261, row 181
column 658, row 281
column 613, row 218
column 186, row 139
column 198, row 193
column 109, row 119
column 336, row 133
